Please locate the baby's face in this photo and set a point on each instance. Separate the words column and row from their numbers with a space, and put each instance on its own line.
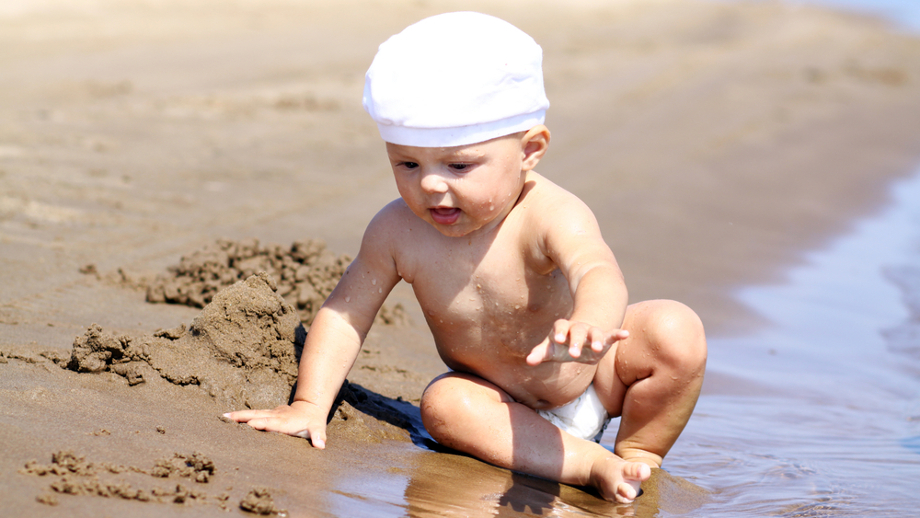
column 463, row 189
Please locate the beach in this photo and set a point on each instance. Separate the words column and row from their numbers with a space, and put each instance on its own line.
column 720, row 145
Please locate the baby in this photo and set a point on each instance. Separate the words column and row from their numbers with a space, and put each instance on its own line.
column 525, row 300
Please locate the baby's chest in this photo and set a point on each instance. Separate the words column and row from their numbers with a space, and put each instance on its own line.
column 482, row 294
column 457, row 278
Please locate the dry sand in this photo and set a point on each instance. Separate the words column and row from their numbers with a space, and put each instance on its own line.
column 714, row 143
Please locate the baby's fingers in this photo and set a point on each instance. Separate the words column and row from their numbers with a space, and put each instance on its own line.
column 600, row 341
column 244, row 416
column 619, row 334
column 282, row 420
column 546, row 351
column 270, row 424
column 573, row 334
column 316, row 437
column 539, row 354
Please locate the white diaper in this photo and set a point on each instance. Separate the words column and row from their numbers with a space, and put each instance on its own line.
column 585, row 417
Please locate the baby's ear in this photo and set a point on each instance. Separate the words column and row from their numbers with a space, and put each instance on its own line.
column 534, row 144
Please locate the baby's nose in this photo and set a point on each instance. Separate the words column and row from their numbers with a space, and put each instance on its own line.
column 433, row 183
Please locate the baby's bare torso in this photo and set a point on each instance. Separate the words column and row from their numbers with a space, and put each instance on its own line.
column 490, row 299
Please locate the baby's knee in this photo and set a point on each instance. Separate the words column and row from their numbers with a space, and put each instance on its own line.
column 676, row 333
column 447, row 398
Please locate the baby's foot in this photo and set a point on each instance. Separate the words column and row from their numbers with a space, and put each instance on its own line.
column 619, row 480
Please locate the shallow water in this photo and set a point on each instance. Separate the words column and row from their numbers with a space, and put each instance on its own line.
column 819, row 413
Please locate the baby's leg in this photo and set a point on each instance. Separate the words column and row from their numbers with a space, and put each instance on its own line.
column 476, row 417
column 654, row 378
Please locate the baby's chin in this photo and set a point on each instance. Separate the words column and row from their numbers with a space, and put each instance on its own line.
column 452, row 230
column 458, row 229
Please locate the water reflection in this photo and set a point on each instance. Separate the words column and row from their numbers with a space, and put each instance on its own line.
column 444, row 485
column 436, row 481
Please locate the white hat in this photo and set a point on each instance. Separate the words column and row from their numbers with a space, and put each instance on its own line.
column 455, row 79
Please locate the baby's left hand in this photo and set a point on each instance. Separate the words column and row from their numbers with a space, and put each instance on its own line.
column 568, row 340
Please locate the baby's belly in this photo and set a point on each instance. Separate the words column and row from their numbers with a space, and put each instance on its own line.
column 494, row 346
column 548, row 385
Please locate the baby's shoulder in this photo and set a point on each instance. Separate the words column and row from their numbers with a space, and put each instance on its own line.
column 394, row 216
column 394, row 226
column 545, row 202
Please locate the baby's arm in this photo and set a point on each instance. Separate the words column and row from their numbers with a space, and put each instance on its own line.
column 334, row 340
column 573, row 241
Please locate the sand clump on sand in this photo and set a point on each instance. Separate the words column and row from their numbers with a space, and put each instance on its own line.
column 259, row 501
column 306, row 273
column 243, row 350
column 72, row 474
column 240, row 349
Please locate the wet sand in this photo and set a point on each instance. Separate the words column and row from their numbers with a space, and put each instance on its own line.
column 714, row 142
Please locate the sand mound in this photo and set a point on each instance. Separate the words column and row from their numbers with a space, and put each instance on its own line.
column 306, row 273
column 243, row 350
column 240, row 349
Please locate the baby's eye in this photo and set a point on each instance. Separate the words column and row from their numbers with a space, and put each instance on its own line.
column 460, row 167
column 408, row 165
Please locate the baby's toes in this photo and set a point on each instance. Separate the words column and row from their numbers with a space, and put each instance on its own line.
column 636, row 471
column 627, row 492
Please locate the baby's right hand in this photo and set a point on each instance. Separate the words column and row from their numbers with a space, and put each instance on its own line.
column 300, row 419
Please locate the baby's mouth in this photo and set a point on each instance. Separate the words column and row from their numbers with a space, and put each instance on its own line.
column 445, row 215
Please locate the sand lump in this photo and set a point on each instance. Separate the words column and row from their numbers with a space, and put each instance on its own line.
column 240, row 349
column 306, row 273
column 259, row 501
column 72, row 474
column 243, row 350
